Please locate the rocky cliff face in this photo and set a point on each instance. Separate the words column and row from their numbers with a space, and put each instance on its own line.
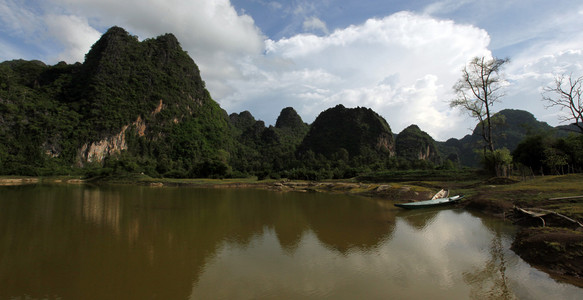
column 111, row 145
column 122, row 78
column 97, row 151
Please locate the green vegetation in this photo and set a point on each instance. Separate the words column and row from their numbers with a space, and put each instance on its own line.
column 359, row 131
column 423, row 175
column 498, row 162
column 49, row 112
column 414, row 144
column 544, row 154
column 141, row 107
column 510, row 127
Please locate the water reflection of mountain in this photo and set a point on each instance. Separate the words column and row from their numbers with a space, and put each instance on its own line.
column 347, row 224
column 138, row 242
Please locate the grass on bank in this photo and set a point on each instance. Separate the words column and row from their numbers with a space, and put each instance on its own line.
column 423, row 175
column 539, row 192
column 132, row 178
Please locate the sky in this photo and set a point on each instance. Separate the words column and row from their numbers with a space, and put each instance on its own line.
column 400, row 58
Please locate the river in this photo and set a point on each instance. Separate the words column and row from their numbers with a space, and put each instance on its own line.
column 134, row 242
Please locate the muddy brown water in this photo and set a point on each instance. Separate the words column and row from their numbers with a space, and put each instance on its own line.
column 132, row 242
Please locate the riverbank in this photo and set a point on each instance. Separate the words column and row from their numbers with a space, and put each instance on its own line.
column 556, row 248
column 548, row 238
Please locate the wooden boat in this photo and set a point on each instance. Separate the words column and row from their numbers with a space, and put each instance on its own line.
column 440, row 199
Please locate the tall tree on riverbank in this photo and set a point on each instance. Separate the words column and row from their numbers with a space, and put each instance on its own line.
column 477, row 91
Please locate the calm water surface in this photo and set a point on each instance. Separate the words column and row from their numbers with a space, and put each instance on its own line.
column 80, row 242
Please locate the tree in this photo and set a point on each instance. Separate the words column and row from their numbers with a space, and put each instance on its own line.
column 555, row 160
column 477, row 91
column 498, row 161
column 530, row 152
column 566, row 93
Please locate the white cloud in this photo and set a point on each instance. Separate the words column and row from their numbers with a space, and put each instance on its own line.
column 531, row 72
column 557, row 50
column 213, row 33
column 275, row 5
column 420, row 55
column 402, row 66
column 303, row 8
column 17, row 19
column 75, row 35
column 445, row 6
column 47, row 32
column 313, row 24
column 19, row 22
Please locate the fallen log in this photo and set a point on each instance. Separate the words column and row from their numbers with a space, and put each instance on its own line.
column 541, row 214
column 566, row 198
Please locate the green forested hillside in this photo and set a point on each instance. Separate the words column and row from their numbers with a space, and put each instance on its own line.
column 355, row 130
column 50, row 112
column 510, row 128
column 142, row 107
column 414, row 144
column 34, row 125
column 266, row 151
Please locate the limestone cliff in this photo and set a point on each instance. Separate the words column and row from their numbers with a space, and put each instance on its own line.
column 151, row 89
column 97, row 151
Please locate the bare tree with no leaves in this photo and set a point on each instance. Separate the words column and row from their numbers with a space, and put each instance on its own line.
column 477, row 91
column 566, row 94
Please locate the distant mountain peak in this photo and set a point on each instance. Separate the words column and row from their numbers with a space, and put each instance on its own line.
column 353, row 129
column 412, row 127
column 289, row 118
column 414, row 144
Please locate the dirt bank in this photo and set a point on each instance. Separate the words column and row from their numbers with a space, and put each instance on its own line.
column 557, row 251
column 551, row 237
column 18, row 181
